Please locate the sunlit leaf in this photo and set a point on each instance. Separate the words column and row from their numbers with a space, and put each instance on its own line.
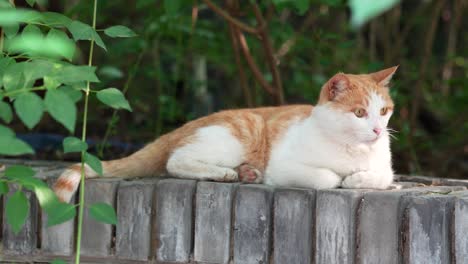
column 65, row 46
column 29, row 108
column 113, row 98
column 73, row 144
column 364, row 10
column 94, row 163
column 61, row 108
column 55, row 45
column 11, row 16
column 103, row 212
column 119, row 32
column 17, row 209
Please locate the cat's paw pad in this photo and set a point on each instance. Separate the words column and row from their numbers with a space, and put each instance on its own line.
column 248, row 173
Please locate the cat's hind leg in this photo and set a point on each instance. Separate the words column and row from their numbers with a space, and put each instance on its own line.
column 212, row 154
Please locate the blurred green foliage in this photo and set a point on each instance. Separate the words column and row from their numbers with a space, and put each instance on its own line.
column 157, row 69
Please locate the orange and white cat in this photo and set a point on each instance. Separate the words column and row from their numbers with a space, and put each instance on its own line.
column 342, row 141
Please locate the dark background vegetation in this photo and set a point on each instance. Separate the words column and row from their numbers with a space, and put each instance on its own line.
column 185, row 64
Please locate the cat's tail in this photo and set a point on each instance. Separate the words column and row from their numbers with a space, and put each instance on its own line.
column 149, row 161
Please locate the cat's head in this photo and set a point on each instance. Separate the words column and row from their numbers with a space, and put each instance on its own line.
column 358, row 107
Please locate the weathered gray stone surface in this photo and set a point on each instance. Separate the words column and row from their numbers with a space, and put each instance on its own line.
column 336, row 225
column 134, row 213
column 293, row 226
column 460, row 228
column 426, row 232
column 213, row 222
column 252, row 224
column 57, row 239
column 174, row 220
column 97, row 236
column 25, row 242
column 379, row 220
column 434, row 180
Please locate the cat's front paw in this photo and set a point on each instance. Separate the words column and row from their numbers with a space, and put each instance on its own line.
column 366, row 180
column 249, row 174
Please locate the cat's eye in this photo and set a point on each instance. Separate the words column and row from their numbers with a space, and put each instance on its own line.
column 383, row 110
column 360, row 112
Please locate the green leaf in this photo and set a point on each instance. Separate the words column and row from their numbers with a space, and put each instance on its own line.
column 32, row 29
column 103, row 212
column 17, row 209
column 73, row 144
column 113, row 98
column 50, row 82
column 11, row 30
column 60, row 213
column 13, row 146
column 19, row 171
column 55, row 45
column 31, row 2
column 3, row 188
column 55, row 19
column 110, row 72
column 72, row 74
column 94, row 163
column 58, row 261
column 5, row 112
column 6, row 132
column 34, row 70
column 46, row 197
column 12, row 16
column 74, row 94
column 13, row 78
column 59, row 40
column 29, row 108
column 82, row 31
column 119, row 32
column 364, row 10
column 61, row 108
column 172, row 6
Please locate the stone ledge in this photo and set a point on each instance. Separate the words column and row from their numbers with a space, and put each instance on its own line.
column 183, row 221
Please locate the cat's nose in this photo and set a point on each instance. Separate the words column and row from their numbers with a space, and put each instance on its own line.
column 377, row 131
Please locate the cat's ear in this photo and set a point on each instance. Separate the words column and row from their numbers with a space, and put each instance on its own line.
column 337, row 84
column 383, row 77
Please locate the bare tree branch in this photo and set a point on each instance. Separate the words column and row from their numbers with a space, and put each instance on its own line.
column 229, row 18
column 268, row 47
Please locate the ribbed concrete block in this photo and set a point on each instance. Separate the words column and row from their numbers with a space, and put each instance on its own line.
column 426, row 229
column 460, row 229
column 213, row 222
column 58, row 239
column 293, row 226
column 97, row 236
column 252, row 224
column 25, row 242
column 174, row 220
column 379, row 220
column 336, row 225
column 134, row 212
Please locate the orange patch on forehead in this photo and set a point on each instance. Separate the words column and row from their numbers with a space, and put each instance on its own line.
column 357, row 93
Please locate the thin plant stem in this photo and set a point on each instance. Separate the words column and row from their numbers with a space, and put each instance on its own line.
column 113, row 119
column 83, row 152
